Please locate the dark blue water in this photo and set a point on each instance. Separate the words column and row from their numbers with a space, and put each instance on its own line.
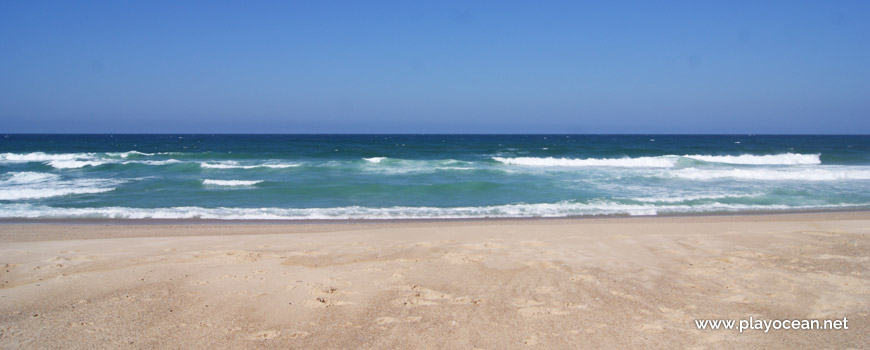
column 426, row 176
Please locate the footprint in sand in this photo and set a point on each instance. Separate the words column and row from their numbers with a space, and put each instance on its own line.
column 232, row 256
column 483, row 246
column 531, row 340
column 462, row 258
column 546, row 290
column 298, row 334
column 323, row 302
column 7, row 268
column 265, row 335
column 540, row 264
column 326, row 296
column 416, row 295
column 534, row 243
column 306, row 258
column 651, row 327
column 386, row 320
column 580, row 277
column 821, row 233
column 534, row 308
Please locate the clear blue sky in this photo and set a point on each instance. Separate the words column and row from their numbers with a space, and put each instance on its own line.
column 445, row 67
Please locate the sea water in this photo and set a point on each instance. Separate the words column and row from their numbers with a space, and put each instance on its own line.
column 426, row 176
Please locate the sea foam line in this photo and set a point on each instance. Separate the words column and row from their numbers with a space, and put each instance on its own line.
column 73, row 164
column 11, row 194
column 680, row 199
column 79, row 160
column 647, row 162
column 374, row 159
column 772, row 159
column 26, row 177
column 832, row 173
column 665, row 161
column 236, row 165
column 230, row 182
column 42, row 157
column 33, row 185
column 559, row 209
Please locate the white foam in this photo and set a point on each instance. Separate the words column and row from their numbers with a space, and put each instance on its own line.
column 73, row 164
column 230, row 182
column 277, row 166
column 153, row 162
column 129, row 153
column 220, row 165
column 830, row 173
column 680, row 199
column 33, row 185
column 772, row 159
column 411, row 166
column 27, row 177
column 42, row 157
column 665, row 161
column 77, row 160
column 236, row 165
column 10, row 194
column 560, row 209
column 374, row 159
column 647, row 162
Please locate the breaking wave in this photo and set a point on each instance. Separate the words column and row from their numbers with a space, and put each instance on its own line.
column 773, row 159
column 374, row 159
column 73, row 164
column 230, row 182
column 666, row 161
column 646, row 162
column 804, row 174
column 560, row 209
column 236, row 165
column 33, row 185
column 680, row 199
column 42, row 157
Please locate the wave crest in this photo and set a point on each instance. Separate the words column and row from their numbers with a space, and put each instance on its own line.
column 559, row 209
column 27, row 177
column 772, row 159
column 230, row 182
column 646, row 162
column 42, row 157
column 236, row 165
column 33, row 185
column 374, row 159
column 827, row 174
column 666, row 161
column 73, row 164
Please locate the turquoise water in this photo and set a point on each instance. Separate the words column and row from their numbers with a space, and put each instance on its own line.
column 426, row 176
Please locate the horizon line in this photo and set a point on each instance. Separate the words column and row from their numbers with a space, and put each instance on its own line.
column 439, row 134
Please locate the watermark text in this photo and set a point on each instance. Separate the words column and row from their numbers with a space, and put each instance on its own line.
column 767, row 325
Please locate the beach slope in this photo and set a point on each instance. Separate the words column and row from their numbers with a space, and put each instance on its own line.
column 572, row 283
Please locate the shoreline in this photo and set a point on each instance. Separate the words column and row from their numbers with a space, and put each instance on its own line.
column 197, row 221
column 59, row 230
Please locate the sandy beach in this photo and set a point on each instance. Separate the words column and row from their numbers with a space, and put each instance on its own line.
column 506, row 284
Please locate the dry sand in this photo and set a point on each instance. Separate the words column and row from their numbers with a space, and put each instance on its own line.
column 574, row 283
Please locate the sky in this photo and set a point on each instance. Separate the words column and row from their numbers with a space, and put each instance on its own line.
column 434, row 67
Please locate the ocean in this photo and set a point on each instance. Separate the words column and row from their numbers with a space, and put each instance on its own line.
column 326, row 177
